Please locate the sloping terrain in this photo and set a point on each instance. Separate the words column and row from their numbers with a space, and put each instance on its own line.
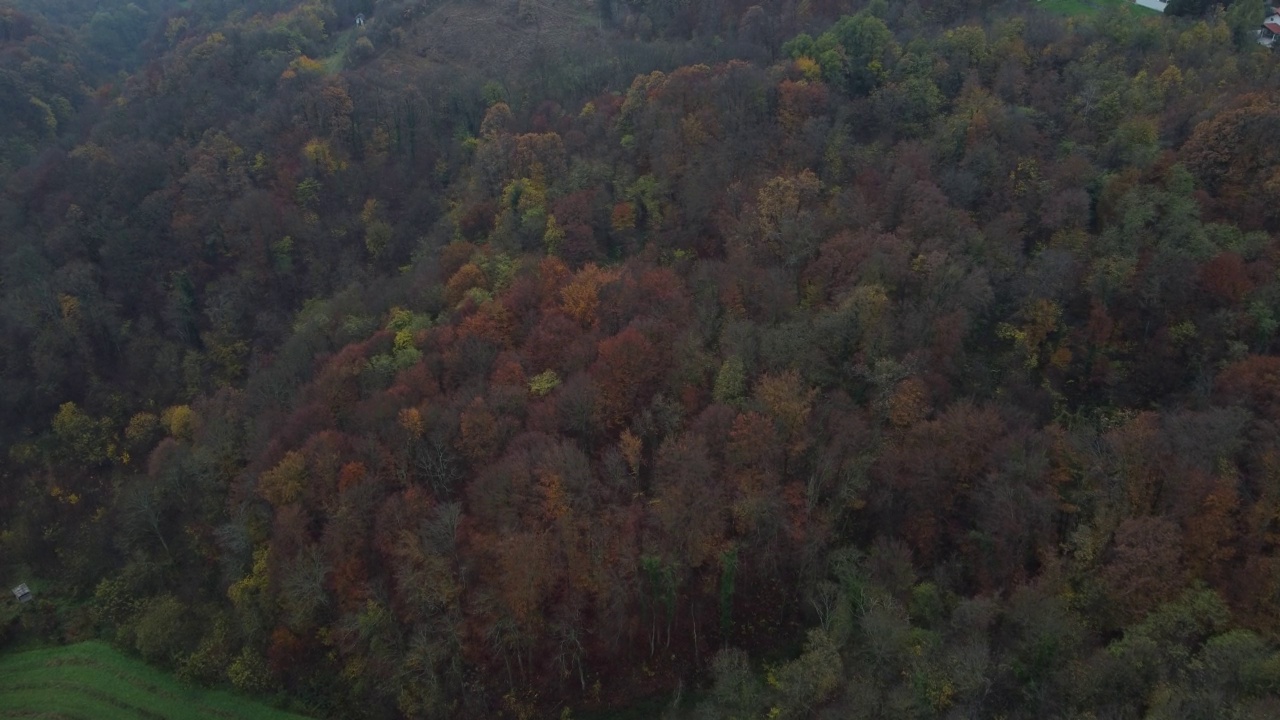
column 919, row 363
column 90, row 680
column 500, row 34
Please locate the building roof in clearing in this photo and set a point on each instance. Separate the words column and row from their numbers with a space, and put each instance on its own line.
column 1273, row 27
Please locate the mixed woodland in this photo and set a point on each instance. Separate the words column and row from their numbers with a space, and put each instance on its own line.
column 534, row 358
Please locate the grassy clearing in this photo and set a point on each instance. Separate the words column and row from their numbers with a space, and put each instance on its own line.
column 94, row 682
column 337, row 60
column 1089, row 7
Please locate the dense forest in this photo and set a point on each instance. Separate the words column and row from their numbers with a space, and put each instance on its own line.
column 537, row 358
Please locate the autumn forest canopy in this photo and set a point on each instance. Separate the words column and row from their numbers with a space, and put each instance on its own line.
column 647, row 358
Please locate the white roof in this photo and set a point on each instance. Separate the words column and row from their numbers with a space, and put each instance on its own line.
column 1152, row 4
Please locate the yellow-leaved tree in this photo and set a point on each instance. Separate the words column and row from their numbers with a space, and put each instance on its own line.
column 283, row 483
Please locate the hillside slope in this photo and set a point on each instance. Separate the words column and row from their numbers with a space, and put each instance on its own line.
column 91, row 680
column 737, row 360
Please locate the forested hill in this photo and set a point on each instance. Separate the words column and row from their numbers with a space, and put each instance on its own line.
column 694, row 359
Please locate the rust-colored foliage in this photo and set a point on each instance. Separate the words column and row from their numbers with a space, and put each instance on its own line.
column 580, row 298
column 467, row 277
column 525, row 576
column 1226, row 278
column 285, row 651
column 909, row 402
column 349, row 580
column 662, row 366
column 557, row 343
column 625, row 371
column 930, row 472
column 539, row 155
column 799, row 100
column 1235, row 156
column 655, row 292
column 507, row 371
column 1254, row 381
column 1211, row 533
column 788, row 400
column 478, row 439
column 454, row 255
column 753, row 441
column 688, row 508
column 623, row 217
column 353, row 473
column 490, row 322
column 475, row 224
column 630, row 446
column 553, row 274
column 1139, row 462
column 1145, row 567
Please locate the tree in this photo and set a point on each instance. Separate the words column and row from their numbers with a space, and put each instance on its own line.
column 688, row 503
column 786, row 219
column 1253, row 381
column 362, row 51
column 81, row 439
column 787, row 399
column 1229, row 154
column 754, row 454
column 736, row 689
column 580, row 298
column 1146, row 567
column 1162, row 644
column 625, row 372
column 731, row 381
column 855, row 54
column 933, row 468
column 285, row 482
column 1226, row 278
column 161, row 631
column 1211, row 532
column 1244, row 17
column 1187, row 8
column 810, row 680
column 478, row 436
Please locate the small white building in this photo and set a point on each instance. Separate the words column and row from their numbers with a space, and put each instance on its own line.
column 1156, row 5
column 22, row 593
column 1269, row 31
column 360, row 20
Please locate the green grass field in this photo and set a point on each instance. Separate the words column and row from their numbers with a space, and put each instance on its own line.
column 1088, row 7
column 91, row 681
